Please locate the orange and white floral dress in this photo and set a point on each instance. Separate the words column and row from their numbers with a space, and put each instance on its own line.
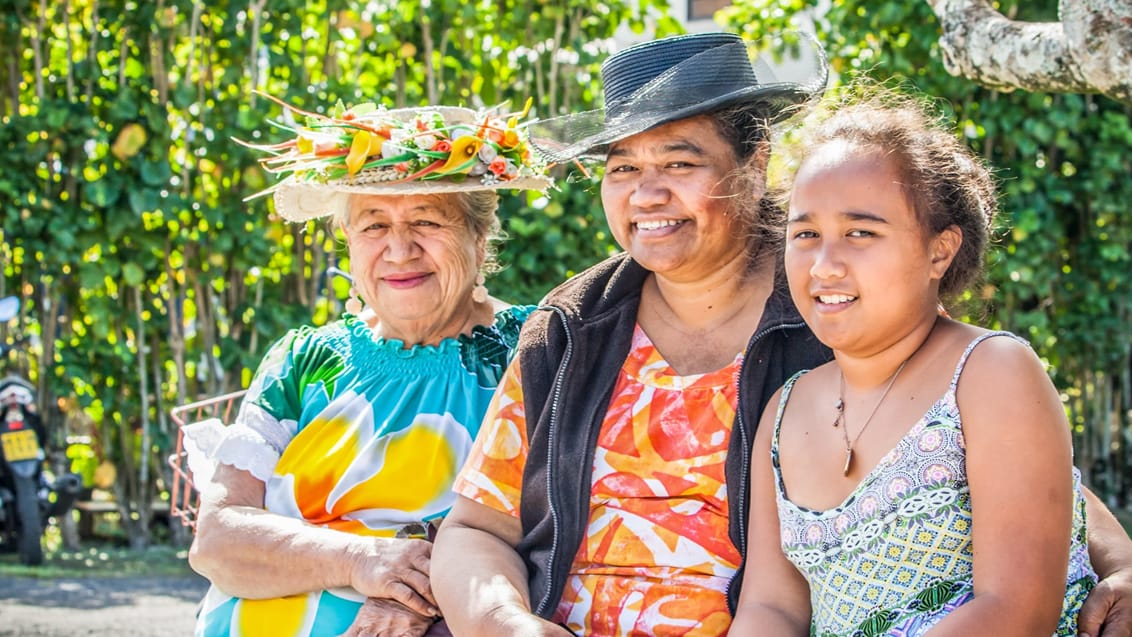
column 657, row 557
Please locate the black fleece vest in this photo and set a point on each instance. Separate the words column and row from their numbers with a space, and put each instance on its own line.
column 571, row 352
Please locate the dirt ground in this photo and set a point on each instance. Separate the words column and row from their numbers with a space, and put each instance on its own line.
column 143, row 606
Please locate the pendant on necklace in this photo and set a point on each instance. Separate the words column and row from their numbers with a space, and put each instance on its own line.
column 848, row 460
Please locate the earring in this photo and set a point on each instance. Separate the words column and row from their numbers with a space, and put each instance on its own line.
column 354, row 302
column 479, row 293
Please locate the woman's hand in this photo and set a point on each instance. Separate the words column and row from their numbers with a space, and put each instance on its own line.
column 395, row 569
column 1108, row 609
column 1109, row 605
column 238, row 543
column 387, row 618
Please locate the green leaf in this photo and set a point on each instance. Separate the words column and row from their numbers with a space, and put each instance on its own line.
column 90, row 276
column 142, row 200
column 118, row 223
column 156, row 173
column 132, row 274
column 102, row 193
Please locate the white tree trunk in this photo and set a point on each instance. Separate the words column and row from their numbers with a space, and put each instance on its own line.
column 1088, row 51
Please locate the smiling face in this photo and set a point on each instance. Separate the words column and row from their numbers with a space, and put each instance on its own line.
column 414, row 262
column 667, row 197
column 861, row 268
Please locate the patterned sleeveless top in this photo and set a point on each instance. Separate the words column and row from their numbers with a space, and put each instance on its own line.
column 895, row 557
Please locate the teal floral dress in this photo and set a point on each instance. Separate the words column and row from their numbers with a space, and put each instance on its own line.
column 357, row 434
column 896, row 556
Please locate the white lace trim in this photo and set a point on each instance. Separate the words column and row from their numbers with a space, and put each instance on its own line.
column 199, row 438
column 253, row 444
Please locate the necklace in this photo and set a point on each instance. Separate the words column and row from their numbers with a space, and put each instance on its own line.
column 840, row 406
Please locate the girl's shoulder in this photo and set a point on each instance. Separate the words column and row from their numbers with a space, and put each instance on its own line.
column 805, row 388
column 979, row 350
column 808, row 381
column 994, row 367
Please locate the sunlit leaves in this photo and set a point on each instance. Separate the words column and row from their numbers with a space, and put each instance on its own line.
column 131, row 138
column 122, row 175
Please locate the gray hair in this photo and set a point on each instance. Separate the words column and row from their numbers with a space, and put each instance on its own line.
column 479, row 208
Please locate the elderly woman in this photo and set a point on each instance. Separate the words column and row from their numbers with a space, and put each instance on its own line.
column 607, row 492
column 326, row 489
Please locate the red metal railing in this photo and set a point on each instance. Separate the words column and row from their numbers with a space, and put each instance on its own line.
column 184, row 497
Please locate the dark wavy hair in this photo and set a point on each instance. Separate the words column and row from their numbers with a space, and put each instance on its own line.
column 945, row 181
column 748, row 133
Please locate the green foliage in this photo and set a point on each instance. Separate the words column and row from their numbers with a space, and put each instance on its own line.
column 122, row 202
column 126, row 231
column 1059, row 272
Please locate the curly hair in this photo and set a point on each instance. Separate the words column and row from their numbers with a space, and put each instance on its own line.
column 746, row 129
column 944, row 180
column 480, row 209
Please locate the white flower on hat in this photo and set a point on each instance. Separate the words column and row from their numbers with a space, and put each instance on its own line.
column 391, row 149
column 488, row 153
column 456, row 132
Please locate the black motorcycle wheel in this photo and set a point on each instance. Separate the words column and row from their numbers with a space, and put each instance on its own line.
column 27, row 504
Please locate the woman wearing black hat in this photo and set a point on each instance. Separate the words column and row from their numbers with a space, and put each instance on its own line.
column 639, row 382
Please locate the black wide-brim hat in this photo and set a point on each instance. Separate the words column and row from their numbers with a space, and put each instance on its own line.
column 675, row 78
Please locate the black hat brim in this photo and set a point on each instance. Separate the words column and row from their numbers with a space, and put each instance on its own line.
column 772, row 105
column 686, row 89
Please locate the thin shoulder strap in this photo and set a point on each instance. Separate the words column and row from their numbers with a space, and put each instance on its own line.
column 786, row 389
column 971, row 346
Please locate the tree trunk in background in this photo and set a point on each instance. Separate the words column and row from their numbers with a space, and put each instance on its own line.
column 139, row 533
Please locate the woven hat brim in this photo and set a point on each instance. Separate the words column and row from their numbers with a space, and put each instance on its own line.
column 303, row 200
column 770, row 103
column 777, row 89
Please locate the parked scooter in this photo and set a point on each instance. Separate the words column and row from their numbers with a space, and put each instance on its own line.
column 28, row 496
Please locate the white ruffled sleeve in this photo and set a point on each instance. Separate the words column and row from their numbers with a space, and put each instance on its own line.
column 256, row 439
column 253, row 443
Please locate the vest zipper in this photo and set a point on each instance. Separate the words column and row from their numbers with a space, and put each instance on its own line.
column 745, row 465
column 555, row 400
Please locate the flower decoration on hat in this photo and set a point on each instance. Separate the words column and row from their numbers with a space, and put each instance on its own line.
column 369, row 145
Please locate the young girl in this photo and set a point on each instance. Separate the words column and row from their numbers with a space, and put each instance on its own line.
column 923, row 480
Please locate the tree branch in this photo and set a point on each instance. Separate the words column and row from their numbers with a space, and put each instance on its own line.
column 1089, row 52
column 70, row 52
column 255, row 11
column 1099, row 33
